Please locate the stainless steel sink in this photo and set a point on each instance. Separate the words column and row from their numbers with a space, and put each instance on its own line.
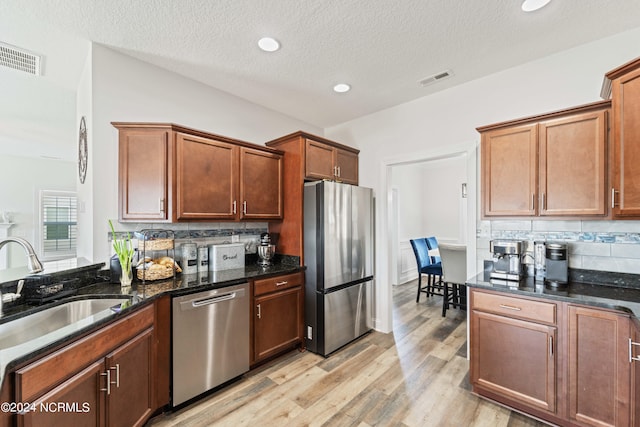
column 56, row 318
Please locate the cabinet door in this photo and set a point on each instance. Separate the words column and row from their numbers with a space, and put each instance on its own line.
column 509, row 164
column 318, row 160
column 130, row 402
column 346, row 163
column 143, row 174
column 515, row 359
column 260, row 184
column 572, row 165
column 634, row 359
column 626, row 145
column 277, row 322
column 82, row 398
column 206, row 178
column 599, row 367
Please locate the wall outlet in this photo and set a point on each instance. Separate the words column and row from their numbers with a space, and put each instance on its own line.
column 235, row 238
column 309, row 333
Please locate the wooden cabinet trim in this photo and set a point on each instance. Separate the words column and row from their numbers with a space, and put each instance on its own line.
column 41, row 375
column 305, row 135
column 547, row 116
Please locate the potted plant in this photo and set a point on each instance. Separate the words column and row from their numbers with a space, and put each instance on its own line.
column 124, row 250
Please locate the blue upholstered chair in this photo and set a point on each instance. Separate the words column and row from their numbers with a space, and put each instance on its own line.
column 426, row 266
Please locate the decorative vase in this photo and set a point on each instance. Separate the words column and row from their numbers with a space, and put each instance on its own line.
column 126, row 277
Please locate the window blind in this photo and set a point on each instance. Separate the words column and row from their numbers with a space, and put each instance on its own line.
column 59, row 224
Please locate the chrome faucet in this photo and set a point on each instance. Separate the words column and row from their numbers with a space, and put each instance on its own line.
column 33, row 263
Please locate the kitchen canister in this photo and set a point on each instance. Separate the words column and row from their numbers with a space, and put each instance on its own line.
column 189, row 258
column 203, row 258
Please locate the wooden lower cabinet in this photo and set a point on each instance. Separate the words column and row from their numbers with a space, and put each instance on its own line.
column 576, row 372
column 278, row 317
column 599, row 368
column 104, row 379
column 515, row 358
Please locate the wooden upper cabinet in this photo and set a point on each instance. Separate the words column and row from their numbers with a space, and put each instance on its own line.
column 625, row 101
column 206, row 178
column 347, row 166
column 143, row 174
column 261, row 184
column 509, row 171
column 326, row 161
column 572, row 165
column 171, row 173
column 549, row 165
column 307, row 158
column 319, row 163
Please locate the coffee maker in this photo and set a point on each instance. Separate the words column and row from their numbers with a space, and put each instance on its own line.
column 507, row 259
column 557, row 264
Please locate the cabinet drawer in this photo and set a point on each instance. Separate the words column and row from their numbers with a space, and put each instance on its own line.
column 264, row 286
column 520, row 308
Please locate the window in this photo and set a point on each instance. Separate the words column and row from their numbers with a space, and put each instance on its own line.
column 59, row 213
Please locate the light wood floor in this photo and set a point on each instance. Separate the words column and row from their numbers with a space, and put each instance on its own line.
column 415, row 376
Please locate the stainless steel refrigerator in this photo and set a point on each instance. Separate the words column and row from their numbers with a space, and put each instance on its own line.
column 338, row 254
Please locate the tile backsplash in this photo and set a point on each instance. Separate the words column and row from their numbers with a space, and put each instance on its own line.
column 593, row 245
column 203, row 234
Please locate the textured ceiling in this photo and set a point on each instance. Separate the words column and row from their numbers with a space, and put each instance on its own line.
column 381, row 47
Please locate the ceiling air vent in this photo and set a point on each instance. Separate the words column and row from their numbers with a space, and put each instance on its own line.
column 19, row 59
column 435, row 78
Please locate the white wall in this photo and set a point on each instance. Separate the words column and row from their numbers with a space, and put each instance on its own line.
column 429, row 204
column 128, row 90
column 21, row 180
column 440, row 122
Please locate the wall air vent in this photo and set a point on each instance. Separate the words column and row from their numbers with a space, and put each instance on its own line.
column 19, row 59
column 435, row 78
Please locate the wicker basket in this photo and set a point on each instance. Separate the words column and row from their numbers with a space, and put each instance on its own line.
column 155, row 244
column 155, row 274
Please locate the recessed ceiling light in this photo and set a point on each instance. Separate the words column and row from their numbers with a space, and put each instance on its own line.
column 531, row 5
column 268, row 44
column 341, row 88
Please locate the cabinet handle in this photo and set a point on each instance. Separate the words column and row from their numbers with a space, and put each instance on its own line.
column 117, row 369
column 339, row 172
column 244, row 207
column 234, row 207
column 533, row 201
column 613, row 198
column 284, row 282
column 631, row 357
column 108, row 375
column 544, row 201
column 510, row 307
column 550, row 346
column 259, row 311
column 335, row 171
column 162, row 208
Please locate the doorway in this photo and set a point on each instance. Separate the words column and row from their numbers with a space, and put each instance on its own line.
column 386, row 254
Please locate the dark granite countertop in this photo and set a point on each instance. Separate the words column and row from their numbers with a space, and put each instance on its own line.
column 617, row 291
column 140, row 294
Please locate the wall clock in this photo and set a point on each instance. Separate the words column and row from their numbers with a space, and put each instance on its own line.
column 82, row 150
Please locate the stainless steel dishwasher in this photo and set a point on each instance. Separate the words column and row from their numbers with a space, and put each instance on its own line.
column 210, row 340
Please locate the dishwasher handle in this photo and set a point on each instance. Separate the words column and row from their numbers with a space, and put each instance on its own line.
column 203, row 302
